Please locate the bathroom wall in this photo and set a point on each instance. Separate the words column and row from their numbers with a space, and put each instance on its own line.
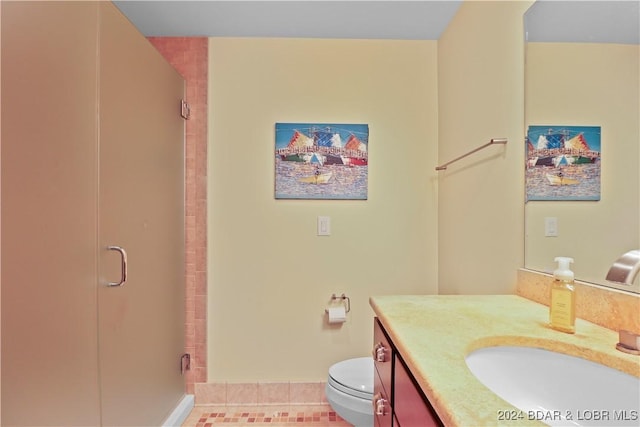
column 480, row 198
column 0, row 227
column 270, row 276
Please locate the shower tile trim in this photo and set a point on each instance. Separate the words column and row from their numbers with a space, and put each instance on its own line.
column 260, row 393
column 189, row 56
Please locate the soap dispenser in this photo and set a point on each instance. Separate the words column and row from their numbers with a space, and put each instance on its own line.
column 562, row 309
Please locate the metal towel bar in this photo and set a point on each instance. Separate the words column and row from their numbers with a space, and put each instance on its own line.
column 493, row 141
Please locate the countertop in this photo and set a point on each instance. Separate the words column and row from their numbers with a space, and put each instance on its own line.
column 434, row 333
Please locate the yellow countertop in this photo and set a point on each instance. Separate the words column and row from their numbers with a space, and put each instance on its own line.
column 434, row 333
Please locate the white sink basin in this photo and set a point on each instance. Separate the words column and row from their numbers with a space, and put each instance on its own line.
column 557, row 389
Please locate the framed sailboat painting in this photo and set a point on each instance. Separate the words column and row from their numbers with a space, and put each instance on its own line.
column 321, row 161
column 563, row 163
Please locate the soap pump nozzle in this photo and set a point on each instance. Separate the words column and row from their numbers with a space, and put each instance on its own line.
column 563, row 272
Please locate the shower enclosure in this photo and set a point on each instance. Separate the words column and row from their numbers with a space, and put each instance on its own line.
column 92, row 159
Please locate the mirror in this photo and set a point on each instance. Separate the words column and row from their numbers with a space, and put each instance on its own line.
column 582, row 71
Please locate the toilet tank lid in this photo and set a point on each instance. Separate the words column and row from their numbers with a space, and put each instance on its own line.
column 356, row 374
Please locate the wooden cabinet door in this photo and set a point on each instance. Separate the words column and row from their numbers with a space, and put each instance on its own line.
column 382, row 355
column 382, row 410
column 141, row 186
column 49, row 182
column 409, row 406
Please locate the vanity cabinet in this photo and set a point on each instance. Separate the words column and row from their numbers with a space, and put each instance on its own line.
column 398, row 400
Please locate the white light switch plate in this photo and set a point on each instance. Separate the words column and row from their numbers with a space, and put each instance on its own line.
column 324, row 226
column 551, row 226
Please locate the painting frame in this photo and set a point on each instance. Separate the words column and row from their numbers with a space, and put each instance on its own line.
column 563, row 163
column 321, row 161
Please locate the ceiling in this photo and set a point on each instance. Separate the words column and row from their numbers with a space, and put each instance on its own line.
column 413, row 20
column 584, row 21
column 548, row 20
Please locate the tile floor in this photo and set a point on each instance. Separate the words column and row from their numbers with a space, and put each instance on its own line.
column 272, row 416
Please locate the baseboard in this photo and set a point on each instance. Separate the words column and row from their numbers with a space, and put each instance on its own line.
column 181, row 412
column 261, row 393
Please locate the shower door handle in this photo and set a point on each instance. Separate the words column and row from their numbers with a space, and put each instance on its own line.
column 123, row 265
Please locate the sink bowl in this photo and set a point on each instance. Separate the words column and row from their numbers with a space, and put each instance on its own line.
column 557, row 389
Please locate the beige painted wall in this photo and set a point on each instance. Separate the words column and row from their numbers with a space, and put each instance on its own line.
column 480, row 198
column 595, row 85
column 270, row 276
column 0, row 227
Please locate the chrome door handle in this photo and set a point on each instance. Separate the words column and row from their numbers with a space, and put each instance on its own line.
column 123, row 256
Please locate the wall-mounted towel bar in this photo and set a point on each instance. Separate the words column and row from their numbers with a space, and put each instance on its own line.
column 493, row 141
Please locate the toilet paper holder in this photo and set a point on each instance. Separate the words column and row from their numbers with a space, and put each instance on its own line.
column 344, row 299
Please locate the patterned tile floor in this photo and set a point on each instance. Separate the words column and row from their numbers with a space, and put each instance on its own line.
column 212, row 416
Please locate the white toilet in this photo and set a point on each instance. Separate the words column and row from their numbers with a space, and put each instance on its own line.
column 349, row 390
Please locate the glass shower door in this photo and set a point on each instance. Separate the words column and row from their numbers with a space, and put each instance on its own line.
column 141, row 210
column 49, row 186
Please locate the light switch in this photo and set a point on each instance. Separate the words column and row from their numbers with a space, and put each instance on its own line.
column 324, row 226
column 551, row 226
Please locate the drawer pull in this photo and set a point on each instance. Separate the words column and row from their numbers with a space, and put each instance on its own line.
column 380, row 405
column 380, row 353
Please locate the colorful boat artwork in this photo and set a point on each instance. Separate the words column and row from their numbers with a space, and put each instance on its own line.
column 560, row 179
column 319, row 178
column 563, row 163
column 326, row 143
column 297, row 157
column 558, row 148
column 321, row 161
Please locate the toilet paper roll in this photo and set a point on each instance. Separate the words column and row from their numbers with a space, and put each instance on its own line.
column 337, row 314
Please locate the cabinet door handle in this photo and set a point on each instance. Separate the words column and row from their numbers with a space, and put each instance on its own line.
column 379, row 405
column 123, row 265
column 380, row 353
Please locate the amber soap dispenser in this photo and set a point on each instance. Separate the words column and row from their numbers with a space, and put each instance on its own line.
column 562, row 309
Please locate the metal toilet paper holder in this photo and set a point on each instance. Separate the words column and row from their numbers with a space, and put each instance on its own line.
column 344, row 299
